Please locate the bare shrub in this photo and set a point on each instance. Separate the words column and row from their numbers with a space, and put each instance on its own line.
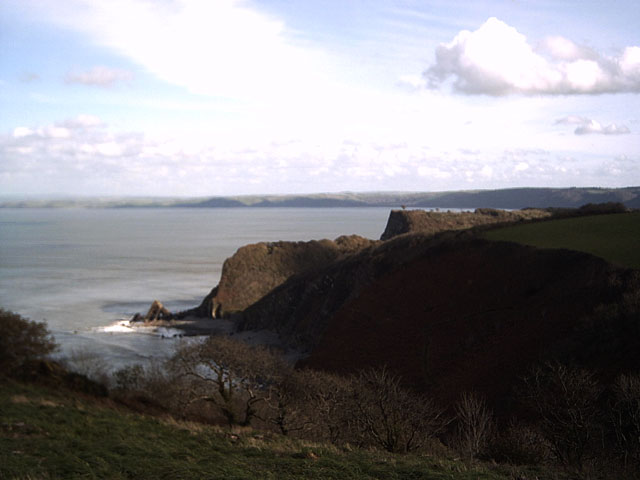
column 329, row 395
column 22, row 341
column 130, row 378
column 291, row 407
column 149, row 387
column 624, row 414
column 232, row 376
column 389, row 416
column 85, row 362
column 474, row 424
column 518, row 444
column 565, row 401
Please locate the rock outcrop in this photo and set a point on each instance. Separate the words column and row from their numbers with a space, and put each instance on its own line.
column 299, row 308
column 157, row 312
column 256, row 269
column 429, row 222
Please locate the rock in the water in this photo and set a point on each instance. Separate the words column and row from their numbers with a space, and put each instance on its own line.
column 156, row 312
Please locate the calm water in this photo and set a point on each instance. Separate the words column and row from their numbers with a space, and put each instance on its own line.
column 82, row 270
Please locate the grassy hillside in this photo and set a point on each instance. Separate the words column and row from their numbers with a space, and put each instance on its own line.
column 49, row 434
column 615, row 238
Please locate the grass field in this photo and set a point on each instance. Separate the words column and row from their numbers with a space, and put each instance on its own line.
column 615, row 237
column 48, row 434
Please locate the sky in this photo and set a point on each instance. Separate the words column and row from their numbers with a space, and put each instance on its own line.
column 236, row 97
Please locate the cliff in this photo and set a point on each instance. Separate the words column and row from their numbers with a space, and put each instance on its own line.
column 411, row 221
column 449, row 311
column 256, row 269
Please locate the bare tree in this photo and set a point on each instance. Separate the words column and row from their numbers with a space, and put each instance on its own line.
column 390, row 416
column 474, row 422
column 233, row 376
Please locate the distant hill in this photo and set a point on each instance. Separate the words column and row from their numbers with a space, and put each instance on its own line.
column 311, row 202
column 216, row 202
column 517, row 198
column 512, row 198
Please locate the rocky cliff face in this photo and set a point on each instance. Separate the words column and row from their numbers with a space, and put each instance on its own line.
column 256, row 269
column 299, row 308
column 413, row 221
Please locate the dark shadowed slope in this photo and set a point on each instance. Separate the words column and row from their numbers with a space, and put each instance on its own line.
column 474, row 315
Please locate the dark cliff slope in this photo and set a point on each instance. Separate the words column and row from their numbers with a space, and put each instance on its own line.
column 453, row 313
column 474, row 315
column 298, row 309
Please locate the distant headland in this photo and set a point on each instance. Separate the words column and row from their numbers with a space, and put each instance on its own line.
column 511, row 198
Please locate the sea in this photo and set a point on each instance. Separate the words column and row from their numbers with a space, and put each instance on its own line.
column 86, row 271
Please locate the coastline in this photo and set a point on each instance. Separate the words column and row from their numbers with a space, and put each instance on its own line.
column 192, row 326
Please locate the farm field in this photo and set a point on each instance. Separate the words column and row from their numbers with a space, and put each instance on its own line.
column 615, row 237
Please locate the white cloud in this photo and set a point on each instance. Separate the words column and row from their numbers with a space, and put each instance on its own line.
column 99, row 76
column 433, row 172
column 217, row 48
column 82, row 155
column 66, row 129
column 20, row 132
column 414, row 82
column 83, row 121
column 496, row 59
column 595, row 127
column 54, row 131
column 586, row 126
column 572, row 120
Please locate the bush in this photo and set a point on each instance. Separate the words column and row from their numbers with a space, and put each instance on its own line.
column 22, row 341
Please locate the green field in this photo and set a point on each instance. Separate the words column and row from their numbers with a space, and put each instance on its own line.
column 614, row 237
column 52, row 434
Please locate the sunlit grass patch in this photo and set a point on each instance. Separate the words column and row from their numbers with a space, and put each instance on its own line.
column 616, row 237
